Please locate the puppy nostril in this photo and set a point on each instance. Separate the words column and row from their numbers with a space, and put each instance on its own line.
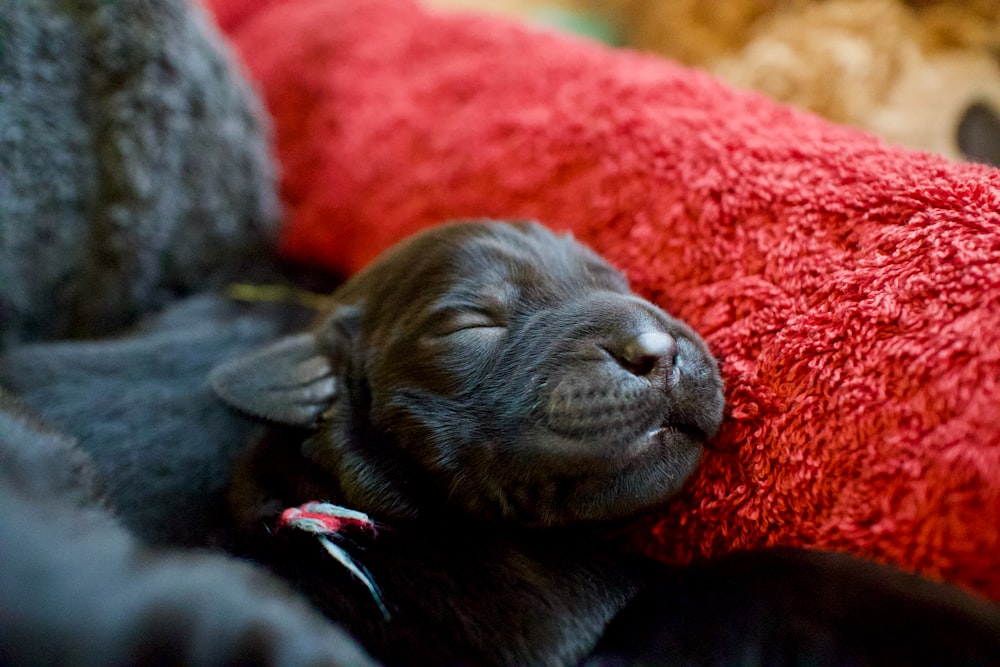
column 642, row 354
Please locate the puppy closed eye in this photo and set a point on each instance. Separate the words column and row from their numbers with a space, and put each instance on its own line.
column 467, row 323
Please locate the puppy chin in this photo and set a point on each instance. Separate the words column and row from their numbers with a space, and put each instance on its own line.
column 558, row 480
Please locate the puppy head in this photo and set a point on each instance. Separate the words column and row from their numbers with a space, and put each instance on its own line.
column 493, row 368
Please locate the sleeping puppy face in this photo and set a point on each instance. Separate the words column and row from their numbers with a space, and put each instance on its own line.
column 495, row 369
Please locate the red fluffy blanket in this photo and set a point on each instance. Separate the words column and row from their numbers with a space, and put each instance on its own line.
column 851, row 290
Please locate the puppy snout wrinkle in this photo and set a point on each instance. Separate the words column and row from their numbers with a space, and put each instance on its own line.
column 645, row 353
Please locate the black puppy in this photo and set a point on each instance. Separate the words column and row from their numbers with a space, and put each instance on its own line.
column 477, row 374
column 495, row 369
column 784, row 607
column 76, row 588
column 487, row 392
column 460, row 588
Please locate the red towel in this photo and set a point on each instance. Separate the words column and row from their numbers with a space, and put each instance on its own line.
column 851, row 290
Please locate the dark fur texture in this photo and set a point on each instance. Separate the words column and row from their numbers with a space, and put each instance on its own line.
column 464, row 582
column 496, row 370
column 464, row 593
column 477, row 379
column 79, row 589
column 141, row 409
column 792, row 608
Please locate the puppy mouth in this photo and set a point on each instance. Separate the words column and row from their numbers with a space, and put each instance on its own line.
column 572, row 480
column 610, row 453
column 692, row 431
column 668, row 434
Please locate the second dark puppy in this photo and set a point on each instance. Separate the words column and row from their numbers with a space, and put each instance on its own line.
column 478, row 379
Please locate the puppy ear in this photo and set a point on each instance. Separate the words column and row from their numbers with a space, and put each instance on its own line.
column 290, row 382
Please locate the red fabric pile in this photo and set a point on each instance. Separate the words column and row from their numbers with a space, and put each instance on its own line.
column 851, row 290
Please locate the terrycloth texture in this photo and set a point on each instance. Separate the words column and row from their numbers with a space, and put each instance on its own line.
column 133, row 163
column 851, row 290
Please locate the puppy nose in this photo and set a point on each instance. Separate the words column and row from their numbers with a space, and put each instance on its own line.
column 646, row 352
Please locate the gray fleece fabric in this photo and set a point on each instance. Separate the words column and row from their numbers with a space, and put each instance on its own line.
column 134, row 164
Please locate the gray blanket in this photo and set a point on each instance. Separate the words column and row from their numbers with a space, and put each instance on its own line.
column 134, row 164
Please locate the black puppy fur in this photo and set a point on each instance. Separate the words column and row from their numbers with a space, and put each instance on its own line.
column 483, row 378
column 493, row 369
column 790, row 607
column 475, row 380
column 458, row 593
column 79, row 589
column 461, row 589
column 141, row 408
